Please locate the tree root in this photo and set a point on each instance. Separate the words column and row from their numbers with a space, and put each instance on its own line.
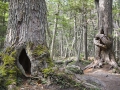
column 95, row 64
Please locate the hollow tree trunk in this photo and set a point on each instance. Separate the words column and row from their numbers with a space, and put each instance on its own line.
column 26, row 36
column 103, row 40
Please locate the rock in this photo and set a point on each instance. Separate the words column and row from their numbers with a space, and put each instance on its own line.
column 73, row 69
column 63, row 62
column 68, row 62
column 59, row 62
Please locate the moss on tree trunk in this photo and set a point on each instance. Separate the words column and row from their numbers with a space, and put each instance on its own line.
column 8, row 69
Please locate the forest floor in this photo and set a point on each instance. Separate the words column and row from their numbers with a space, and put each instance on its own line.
column 103, row 79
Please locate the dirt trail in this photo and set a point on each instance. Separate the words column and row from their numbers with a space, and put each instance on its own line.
column 104, row 80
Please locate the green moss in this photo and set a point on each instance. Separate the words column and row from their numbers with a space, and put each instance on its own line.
column 9, row 69
column 47, row 71
column 10, row 81
column 9, row 50
column 43, row 52
column 85, row 62
column 50, row 62
column 13, row 54
column 40, row 50
column 8, row 60
column 74, row 69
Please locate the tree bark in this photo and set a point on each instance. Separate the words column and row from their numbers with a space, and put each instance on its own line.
column 26, row 34
column 75, row 35
column 85, row 41
column 103, row 40
column 85, row 34
column 116, row 41
column 79, row 39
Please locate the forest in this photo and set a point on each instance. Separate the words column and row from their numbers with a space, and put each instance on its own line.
column 59, row 45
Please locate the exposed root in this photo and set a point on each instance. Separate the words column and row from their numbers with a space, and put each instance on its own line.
column 95, row 64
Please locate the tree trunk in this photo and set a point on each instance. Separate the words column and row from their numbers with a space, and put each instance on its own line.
column 26, row 36
column 85, row 34
column 80, row 30
column 54, row 33
column 116, row 41
column 75, row 35
column 103, row 40
column 61, row 43
column 66, row 48
column 85, row 41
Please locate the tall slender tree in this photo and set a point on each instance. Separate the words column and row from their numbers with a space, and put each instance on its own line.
column 54, row 32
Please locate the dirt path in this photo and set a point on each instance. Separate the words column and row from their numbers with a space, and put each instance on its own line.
column 104, row 80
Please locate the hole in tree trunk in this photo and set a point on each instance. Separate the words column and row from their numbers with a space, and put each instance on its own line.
column 102, row 31
column 25, row 62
